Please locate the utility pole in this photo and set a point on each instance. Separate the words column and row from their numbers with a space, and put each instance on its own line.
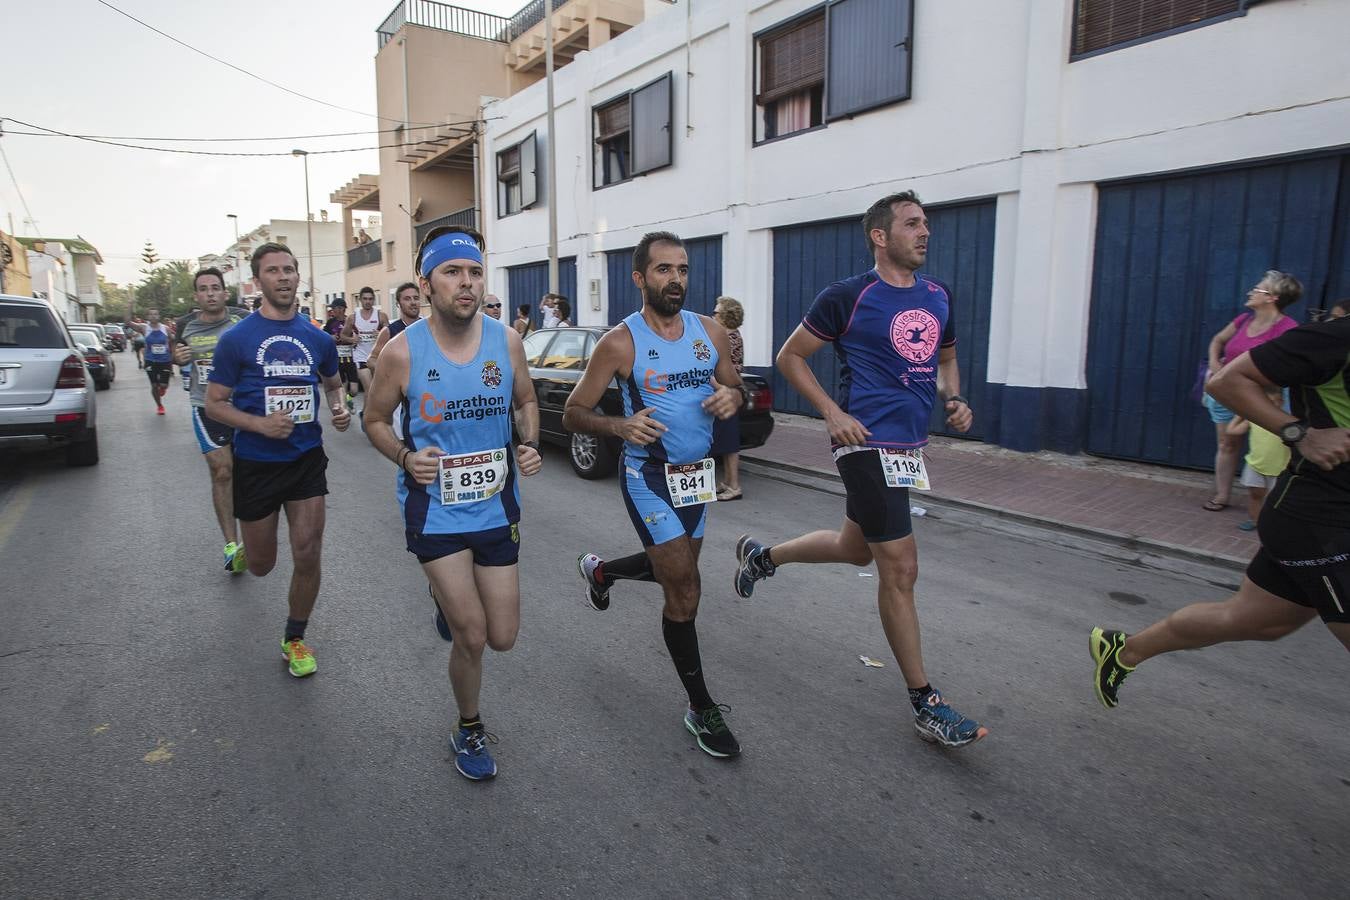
column 238, row 263
column 309, row 228
column 550, row 156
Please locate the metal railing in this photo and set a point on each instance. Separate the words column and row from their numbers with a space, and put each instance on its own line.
column 529, row 16
column 445, row 17
column 363, row 255
column 467, row 217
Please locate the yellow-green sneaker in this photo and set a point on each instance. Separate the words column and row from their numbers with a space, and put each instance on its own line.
column 299, row 657
column 235, row 561
column 1110, row 671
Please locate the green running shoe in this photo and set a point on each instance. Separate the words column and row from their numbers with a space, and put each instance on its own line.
column 235, row 561
column 1106, row 647
column 299, row 658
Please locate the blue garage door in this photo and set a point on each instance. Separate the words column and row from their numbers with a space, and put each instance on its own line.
column 705, row 279
column 1174, row 259
column 527, row 284
column 806, row 258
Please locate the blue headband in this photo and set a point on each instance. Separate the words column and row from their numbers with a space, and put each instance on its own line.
column 455, row 245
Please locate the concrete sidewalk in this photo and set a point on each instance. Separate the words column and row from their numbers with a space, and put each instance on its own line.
column 1152, row 507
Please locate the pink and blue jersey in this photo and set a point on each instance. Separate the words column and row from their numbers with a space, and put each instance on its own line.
column 887, row 339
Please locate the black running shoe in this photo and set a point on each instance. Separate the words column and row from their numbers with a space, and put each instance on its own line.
column 597, row 592
column 751, row 566
column 1106, row 647
column 714, row 737
column 442, row 626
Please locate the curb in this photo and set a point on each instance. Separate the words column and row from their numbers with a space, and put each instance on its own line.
column 794, row 474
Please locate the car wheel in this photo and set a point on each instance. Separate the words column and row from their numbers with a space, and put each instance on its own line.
column 85, row 453
column 591, row 457
column 103, row 384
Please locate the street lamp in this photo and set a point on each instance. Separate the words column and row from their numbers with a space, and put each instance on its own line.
column 309, row 228
column 238, row 264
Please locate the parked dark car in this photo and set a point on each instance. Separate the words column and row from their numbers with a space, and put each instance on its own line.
column 117, row 338
column 96, row 356
column 558, row 356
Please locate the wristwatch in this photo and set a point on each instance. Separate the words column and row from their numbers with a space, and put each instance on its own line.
column 1294, row 432
column 959, row 399
column 533, row 445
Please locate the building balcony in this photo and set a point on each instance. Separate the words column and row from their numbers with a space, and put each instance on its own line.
column 465, row 218
column 363, row 255
column 443, row 16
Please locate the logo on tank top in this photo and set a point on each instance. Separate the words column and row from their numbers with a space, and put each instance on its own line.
column 915, row 334
column 701, row 351
column 492, row 376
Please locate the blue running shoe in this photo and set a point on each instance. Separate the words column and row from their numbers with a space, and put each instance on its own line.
column 442, row 626
column 939, row 723
column 751, row 565
column 472, row 758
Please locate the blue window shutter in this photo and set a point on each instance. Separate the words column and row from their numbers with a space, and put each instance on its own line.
column 868, row 54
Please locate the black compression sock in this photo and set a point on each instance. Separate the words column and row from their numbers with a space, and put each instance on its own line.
column 637, row 567
column 918, row 695
column 295, row 629
column 473, row 723
column 682, row 642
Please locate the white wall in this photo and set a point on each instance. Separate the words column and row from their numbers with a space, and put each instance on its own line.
column 997, row 110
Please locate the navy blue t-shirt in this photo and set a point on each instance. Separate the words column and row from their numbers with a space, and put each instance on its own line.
column 887, row 340
column 288, row 356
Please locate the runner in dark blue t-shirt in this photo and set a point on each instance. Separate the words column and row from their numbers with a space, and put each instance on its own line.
column 267, row 375
column 892, row 331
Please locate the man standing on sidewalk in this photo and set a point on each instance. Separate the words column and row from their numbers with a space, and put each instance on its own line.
column 894, row 337
column 198, row 335
column 265, row 378
column 1302, row 568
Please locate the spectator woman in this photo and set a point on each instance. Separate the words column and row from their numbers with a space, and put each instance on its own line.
column 563, row 309
column 522, row 324
column 726, row 441
column 1263, row 320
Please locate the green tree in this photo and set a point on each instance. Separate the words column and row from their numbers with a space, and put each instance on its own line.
column 116, row 301
column 167, row 287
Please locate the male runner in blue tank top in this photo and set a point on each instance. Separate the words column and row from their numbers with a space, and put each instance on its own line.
column 894, row 337
column 158, row 356
column 266, row 374
column 455, row 377
column 676, row 374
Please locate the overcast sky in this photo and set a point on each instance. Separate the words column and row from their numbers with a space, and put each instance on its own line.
column 79, row 67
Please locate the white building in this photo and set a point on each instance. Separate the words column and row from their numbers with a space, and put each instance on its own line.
column 65, row 273
column 1102, row 188
column 330, row 256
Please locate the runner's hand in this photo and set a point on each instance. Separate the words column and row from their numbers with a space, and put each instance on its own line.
column 641, row 428
column 724, row 402
column 528, row 460
column 277, row 426
column 182, row 354
column 846, row 430
column 341, row 417
column 959, row 415
column 425, row 464
column 1326, row 448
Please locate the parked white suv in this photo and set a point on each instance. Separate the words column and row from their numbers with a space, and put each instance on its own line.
column 45, row 388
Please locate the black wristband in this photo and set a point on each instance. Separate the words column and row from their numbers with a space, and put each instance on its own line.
column 959, row 399
column 533, row 445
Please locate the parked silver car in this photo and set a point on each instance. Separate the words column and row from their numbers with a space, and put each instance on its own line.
column 46, row 390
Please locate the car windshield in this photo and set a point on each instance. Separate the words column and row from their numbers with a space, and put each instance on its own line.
column 90, row 339
column 29, row 328
column 566, row 352
column 113, row 329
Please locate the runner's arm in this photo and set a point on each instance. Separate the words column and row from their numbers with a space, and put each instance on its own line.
column 730, row 395
column 387, row 390
column 613, row 352
column 949, row 390
column 219, row 407
column 380, row 341
column 523, row 398
column 348, row 335
column 800, row 346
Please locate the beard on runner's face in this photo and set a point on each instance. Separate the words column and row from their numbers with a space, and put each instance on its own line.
column 667, row 301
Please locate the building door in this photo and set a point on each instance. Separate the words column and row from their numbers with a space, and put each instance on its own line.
column 705, row 278
column 807, row 258
column 529, row 283
column 1174, row 258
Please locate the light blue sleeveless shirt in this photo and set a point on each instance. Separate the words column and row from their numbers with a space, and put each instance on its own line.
column 462, row 409
column 673, row 378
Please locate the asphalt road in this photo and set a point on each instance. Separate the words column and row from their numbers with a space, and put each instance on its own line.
column 154, row 745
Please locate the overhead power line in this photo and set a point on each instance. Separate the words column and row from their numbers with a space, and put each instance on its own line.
column 242, row 71
column 18, row 190
column 219, row 140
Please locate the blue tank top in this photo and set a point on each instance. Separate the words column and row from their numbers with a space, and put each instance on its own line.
column 157, row 345
column 466, row 411
column 673, row 378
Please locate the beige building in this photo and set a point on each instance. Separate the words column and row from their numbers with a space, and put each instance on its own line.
column 14, row 277
column 435, row 66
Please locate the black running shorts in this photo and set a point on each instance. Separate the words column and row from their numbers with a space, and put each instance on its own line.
column 1307, row 563
column 159, row 373
column 347, row 371
column 492, row 547
column 261, row 488
column 881, row 512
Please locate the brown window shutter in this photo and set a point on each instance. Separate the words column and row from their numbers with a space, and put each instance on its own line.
column 792, row 60
column 508, row 164
column 612, row 121
column 1106, row 23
